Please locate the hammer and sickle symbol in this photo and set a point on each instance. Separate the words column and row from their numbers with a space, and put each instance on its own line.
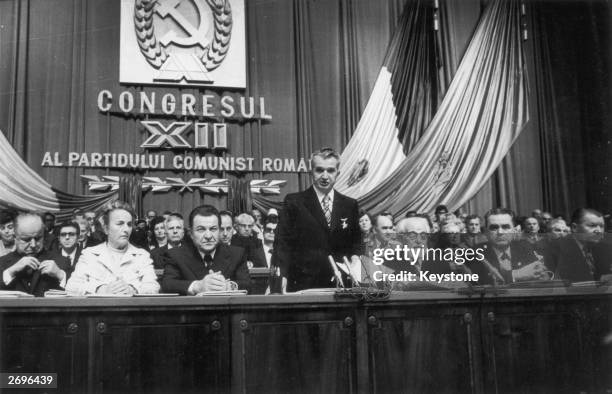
column 195, row 35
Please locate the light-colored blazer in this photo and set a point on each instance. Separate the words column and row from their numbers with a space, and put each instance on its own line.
column 95, row 269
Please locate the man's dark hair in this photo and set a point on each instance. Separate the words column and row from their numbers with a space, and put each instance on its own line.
column 471, row 217
column 580, row 213
column 7, row 216
column 441, row 209
column 363, row 213
column 48, row 214
column 325, row 153
column 156, row 220
column 499, row 211
column 72, row 224
column 203, row 210
column 411, row 214
column 226, row 213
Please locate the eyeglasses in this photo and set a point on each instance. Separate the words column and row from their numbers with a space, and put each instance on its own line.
column 71, row 234
column 268, row 230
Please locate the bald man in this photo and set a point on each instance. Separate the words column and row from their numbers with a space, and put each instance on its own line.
column 31, row 268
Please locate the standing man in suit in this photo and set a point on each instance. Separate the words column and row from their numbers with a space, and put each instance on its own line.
column 246, row 237
column 204, row 264
column 31, row 268
column 315, row 224
column 583, row 255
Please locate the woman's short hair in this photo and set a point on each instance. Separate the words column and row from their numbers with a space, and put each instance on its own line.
column 115, row 206
column 363, row 213
column 157, row 220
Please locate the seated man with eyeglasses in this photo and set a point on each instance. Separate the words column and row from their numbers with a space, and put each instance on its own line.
column 31, row 268
column 246, row 238
column 68, row 245
column 506, row 259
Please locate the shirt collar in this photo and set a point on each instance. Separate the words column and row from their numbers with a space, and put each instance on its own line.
column 212, row 254
column 71, row 255
column 320, row 195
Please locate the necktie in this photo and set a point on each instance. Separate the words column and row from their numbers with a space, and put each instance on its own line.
column 208, row 260
column 327, row 209
column 270, row 250
column 588, row 257
column 504, row 261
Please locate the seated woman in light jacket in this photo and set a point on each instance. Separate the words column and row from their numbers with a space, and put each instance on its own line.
column 114, row 267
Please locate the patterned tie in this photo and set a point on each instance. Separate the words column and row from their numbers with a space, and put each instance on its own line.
column 588, row 258
column 327, row 209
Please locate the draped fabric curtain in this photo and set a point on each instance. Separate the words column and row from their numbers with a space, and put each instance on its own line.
column 481, row 115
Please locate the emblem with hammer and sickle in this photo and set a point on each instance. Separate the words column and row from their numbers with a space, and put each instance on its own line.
column 210, row 54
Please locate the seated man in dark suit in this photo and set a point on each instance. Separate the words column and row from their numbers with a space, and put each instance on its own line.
column 506, row 259
column 68, row 245
column 581, row 256
column 204, row 264
column 246, row 238
column 31, row 268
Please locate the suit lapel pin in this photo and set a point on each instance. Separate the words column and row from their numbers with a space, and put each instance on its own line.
column 344, row 223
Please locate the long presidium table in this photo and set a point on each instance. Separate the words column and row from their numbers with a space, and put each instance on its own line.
column 551, row 340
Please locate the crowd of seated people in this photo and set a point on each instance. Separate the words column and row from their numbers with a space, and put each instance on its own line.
column 514, row 249
column 112, row 252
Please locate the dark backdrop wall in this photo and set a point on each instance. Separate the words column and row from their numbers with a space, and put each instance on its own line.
column 315, row 62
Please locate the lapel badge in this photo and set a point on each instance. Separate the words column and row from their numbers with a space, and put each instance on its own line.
column 344, row 223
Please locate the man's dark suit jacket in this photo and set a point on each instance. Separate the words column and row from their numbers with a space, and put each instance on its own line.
column 158, row 256
column 520, row 256
column 565, row 258
column 253, row 247
column 77, row 255
column 303, row 240
column 184, row 265
column 32, row 281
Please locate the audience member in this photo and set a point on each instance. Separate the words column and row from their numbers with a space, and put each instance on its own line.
column 365, row 225
column 84, row 240
column 268, row 243
column 175, row 232
column 581, row 256
column 246, row 238
column 226, row 231
column 160, row 237
column 96, row 234
column 473, row 234
column 50, row 236
column 68, row 242
column 7, row 231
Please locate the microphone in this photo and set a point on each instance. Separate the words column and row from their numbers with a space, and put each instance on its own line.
column 337, row 274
